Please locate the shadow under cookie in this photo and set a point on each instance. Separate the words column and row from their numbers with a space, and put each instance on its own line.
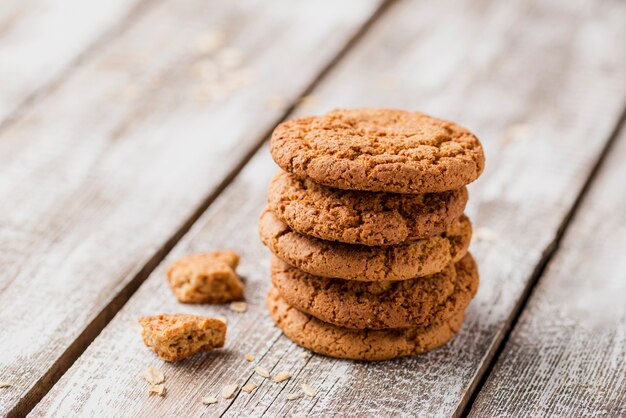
column 379, row 305
column 357, row 217
column 334, row 341
column 366, row 263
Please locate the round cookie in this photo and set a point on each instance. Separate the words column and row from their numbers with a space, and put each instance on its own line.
column 364, row 263
column 379, row 305
column 331, row 340
column 383, row 150
column 366, row 218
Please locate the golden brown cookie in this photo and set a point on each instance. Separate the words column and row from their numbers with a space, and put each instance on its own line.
column 379, row 305
column 366, row 218
column 382, row 150
column 334, row 341
column 206, row 278
column 174, row 337
column 364, row 263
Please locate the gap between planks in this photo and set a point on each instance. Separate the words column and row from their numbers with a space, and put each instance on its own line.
column 483, row 375
column 93, row 329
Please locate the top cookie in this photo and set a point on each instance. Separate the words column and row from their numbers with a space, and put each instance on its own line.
column 379, row 150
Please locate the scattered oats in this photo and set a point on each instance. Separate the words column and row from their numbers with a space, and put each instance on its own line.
column 307, row 101
column 484, row 234
column 209, row 400
column 239, row 306
column 516, row 132
column 281, row 377
column 154, row 377
column 229, row 391
column 209, row 41
column 4, row 385
column 276, row 103
column 229, row 58
column 249, row 357
column 262, row 372
column 293, row 396
column 157, row 389
column 308, row 390
column 304, row 355
column 249, row 387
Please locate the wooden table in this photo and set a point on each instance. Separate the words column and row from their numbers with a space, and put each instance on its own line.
column 133, row 132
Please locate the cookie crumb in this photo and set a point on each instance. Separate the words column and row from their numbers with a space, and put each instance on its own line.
column 157, row 389
column 154, row 377
column 262, row 372
column 239, row 307
column 175, row 337
column 293, row 396
column 222, row 318
column 304, row 355
column 281, row 377
column 229, row 391
column 206, row 278
column 5, row 385
column 249, row 387
column 308, row 390
column 209, row 400
column 249, row 357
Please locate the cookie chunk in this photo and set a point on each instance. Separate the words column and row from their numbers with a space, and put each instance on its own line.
column 334, row 341
column 379, row 305
column 381, row 150
column 364, row 263
column 174, row 337
column 366, row 218
column 206, row 278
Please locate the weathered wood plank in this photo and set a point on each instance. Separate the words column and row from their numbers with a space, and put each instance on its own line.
column 567, row 354
column 41, row 39
column 466, row 69
column 97, row 179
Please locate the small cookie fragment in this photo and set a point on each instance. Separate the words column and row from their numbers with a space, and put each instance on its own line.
column 206, row 278
column 308, row 390
column 249, row 357
column 239, row 307
column 262, row 372
column 249, row 387
column 154, row 377
column 229, row 391
column 281, row 377
column 209, row 400
column 157, row 390
column 175, row 337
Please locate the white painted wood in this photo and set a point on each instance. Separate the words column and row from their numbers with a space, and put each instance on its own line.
column 567, row 354
column 541, row 85
column 40, row 40
column 96, row 178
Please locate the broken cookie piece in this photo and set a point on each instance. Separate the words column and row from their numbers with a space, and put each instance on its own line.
column 174, row 337
column 206, row 278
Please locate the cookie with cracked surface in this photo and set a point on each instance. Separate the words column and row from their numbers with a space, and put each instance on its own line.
column 379, row 305
column 367, row 218
column 331, row 340
column 385, row 150
column 206, row 278
column 365, row 263
column 174, row 337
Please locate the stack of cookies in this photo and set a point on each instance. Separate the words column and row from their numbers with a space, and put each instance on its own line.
column 365, row 222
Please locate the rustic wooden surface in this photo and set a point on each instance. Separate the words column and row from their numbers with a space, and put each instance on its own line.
column 567, row 354
column 539, row 82
column 100, row 177
column 105, row 164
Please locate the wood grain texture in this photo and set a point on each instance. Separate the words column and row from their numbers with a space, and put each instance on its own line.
column 98, row 177
column 40, row 40
column 567, row 354
column 540, row 84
